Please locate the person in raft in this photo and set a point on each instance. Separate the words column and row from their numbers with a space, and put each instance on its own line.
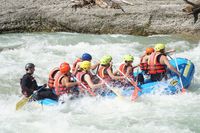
column 84, row 76
column 64, row 81
column 158, row 62
column 29, row 85
column 105, row 70
column 85, row 57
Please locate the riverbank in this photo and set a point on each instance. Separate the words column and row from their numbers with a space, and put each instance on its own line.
column 145, row 17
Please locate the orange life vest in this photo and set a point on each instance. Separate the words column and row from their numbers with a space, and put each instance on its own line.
column 75, row 63
column 102, row 72
column 143, row 66
column 59, row 88
column 51, row 77
column 155, row 67
column 123, row 68
column 79, row 76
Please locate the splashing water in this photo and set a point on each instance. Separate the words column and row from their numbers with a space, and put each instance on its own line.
column 150, row 114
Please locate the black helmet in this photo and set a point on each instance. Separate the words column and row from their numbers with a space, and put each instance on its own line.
column 29, row 65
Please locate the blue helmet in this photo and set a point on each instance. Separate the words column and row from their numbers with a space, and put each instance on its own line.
column 86, row 56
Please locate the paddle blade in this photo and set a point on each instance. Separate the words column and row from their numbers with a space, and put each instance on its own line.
column 134, row 94
column 117, row 92
column 21, row 103
column 183, row 90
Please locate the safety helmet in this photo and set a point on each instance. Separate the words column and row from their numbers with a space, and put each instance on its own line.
column 85, row 65
column 64, row 68
column 159, row 46
column 86, row 56
column 128, row 57
column 149, row 50
column 105, row 60
column 29, row 65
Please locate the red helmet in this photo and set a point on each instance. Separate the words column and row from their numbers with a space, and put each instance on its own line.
column 64, row 68
column 149, row 50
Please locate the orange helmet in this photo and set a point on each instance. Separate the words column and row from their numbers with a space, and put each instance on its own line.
column 149, row 50
column 64, row 68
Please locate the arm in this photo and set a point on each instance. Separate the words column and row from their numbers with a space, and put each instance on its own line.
column 115, row 72
column 166, row 62
column 170, row 51
column 113, row 76
column 95, row 66
column 65, row 82
column 129, row 71
column 76, row 68
column 87, row 78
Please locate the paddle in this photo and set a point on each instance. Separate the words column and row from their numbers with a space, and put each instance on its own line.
column 137, row 89
column 183, row 90
column 111, row 88
column 24, row 100
column 88, row 89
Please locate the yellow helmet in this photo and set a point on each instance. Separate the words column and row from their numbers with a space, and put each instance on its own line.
column 128, row 57
column 105, row 60
column 85, row 65
column 159, row 46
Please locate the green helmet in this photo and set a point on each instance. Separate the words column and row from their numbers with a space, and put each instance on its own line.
column 128, row 57
column 105, row 60
column 159, row 46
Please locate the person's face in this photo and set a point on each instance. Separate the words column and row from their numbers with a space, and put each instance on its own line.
column 128, row 62
column 31, row 70
column 163, row 51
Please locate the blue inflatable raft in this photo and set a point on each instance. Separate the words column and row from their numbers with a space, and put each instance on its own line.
column 170, row 86
column 48, row 102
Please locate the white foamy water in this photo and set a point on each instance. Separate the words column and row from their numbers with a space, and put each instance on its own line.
column 150, row 114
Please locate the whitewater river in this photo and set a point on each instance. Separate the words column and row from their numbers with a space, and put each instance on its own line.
column 149, row 114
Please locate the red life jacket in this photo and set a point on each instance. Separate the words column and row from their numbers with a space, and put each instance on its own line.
column 143, row 66
column 155, row 67
column 79, row 76
column 51, row 77
column 59, row 88
column 102, row 72
column 75, row 63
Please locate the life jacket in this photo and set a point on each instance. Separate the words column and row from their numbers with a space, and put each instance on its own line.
column 75, row 63
column 102, row 72
column 51, row 77
column 143, row 66
column 79, row 76
column 155, row 67
column 123, row 68
column 59, row 88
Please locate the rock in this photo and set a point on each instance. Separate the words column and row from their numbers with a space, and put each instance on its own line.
column 144, row 17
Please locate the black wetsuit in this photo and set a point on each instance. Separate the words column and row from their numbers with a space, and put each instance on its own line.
column 29, row 84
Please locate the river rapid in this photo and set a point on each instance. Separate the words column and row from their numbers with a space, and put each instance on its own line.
column 149, row 114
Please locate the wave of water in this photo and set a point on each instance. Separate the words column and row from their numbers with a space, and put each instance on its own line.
column 150, row 114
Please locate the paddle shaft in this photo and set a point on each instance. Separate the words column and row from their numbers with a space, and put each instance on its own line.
column 24, row 100
column 135, row 92
column 183, row 89
column 115, row 91
column 88, row 89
